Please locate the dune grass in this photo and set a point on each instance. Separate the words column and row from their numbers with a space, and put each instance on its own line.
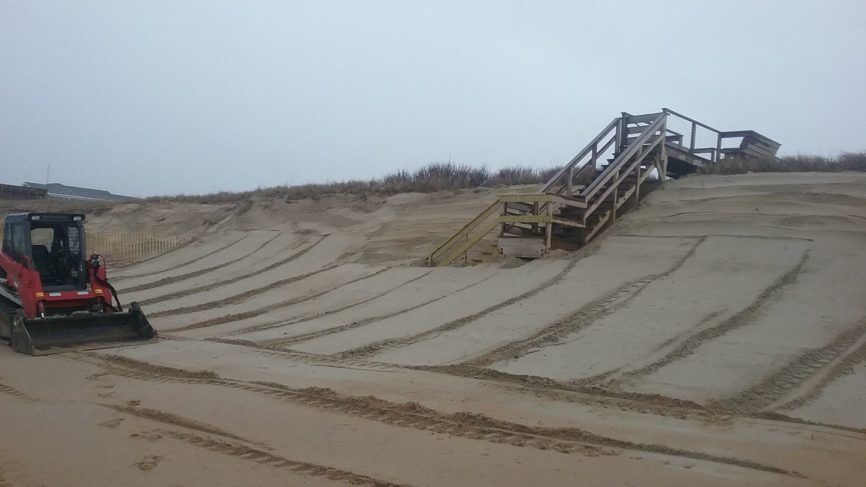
column 446, row 176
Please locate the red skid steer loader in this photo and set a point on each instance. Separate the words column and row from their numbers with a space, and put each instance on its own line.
column 53, row 298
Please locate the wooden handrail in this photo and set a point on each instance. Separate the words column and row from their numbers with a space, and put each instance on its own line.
column 465, row 230
column 608, row 173
column 580, row 155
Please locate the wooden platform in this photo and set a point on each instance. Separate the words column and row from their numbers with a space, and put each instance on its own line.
column 602, row 181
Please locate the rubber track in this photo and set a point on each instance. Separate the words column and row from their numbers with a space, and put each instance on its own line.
column 206, row 287
column 461, row 424
column 8, row 308
column 173, row 279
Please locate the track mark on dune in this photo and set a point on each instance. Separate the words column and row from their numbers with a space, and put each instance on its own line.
column 174, row 420
column 743, row 318
column 850, row 346
column 189, row 275
column 153, row 369
column 856, row 357
column 282, row 342
column 461, row 424
column 581, row 394
column 259, row 311
column 182, row 264
column 581, row 318
column 281, row 323
column 264, row 458
column 374, row 348
column 11, row 391
column 205, row 287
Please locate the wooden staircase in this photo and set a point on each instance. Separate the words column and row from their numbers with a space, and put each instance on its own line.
column 601, row 182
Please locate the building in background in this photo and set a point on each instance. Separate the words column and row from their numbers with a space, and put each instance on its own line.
column 57, row 190
column 12, row 192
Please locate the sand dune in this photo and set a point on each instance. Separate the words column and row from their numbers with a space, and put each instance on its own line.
column 714, row 336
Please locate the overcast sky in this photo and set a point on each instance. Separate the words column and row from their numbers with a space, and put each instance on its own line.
column 162, row 97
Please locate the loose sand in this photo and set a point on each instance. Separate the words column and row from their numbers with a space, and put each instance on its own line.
column 714, row 336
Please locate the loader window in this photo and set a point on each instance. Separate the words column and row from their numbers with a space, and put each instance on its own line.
column 7, row 239
column 56, row 251
column 18, row 242
column 42, row 236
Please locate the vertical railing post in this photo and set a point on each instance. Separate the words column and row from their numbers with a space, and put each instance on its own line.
column 548, row 230
column 569, row 184
column 692, row 144
column 718, row 154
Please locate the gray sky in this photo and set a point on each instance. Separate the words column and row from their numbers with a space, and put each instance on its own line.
column 162, row 97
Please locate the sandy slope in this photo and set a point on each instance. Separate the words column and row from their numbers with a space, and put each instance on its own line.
column 715, row 336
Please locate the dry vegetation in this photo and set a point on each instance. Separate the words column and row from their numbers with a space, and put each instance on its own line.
column 433, row 177
column 854, row 161
column 447, row 176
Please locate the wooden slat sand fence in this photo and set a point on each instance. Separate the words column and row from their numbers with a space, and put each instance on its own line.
column 121, row 248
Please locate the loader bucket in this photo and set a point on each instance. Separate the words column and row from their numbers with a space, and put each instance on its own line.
column 83, row 331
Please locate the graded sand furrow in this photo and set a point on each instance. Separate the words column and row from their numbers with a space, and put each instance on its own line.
column 234, row 272
column 193, row 252
column 315, row 285
column 355, row 283
column 432, row 287
column 252, row 242
column 498, row 331
column 323, row 255
column 659, row 314
column 505, row 285
column 271, row 251
column 751, row 351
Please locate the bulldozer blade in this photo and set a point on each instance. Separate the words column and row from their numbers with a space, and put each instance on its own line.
column 80, row 331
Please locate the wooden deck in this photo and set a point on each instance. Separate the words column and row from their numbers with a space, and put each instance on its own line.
column 602, row 181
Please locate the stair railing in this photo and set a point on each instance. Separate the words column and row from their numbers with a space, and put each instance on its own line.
column 463, row 234
column 563, row 180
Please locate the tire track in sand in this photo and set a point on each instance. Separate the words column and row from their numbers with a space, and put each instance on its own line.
column 264, row 458
column 11, row 391
column 205, row 287
column 580, row 319
column 743, row 318
column 376, row 347
column 189, row 275
column 846, row 350
column 281, row 323
column 277, row 343
column 413, row 415
column 174, row 420
column 259, row 311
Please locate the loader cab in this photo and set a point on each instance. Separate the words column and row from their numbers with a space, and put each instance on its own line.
column 51, row 244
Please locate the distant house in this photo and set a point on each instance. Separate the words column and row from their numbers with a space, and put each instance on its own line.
column 12, row 192
column 57, row 190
